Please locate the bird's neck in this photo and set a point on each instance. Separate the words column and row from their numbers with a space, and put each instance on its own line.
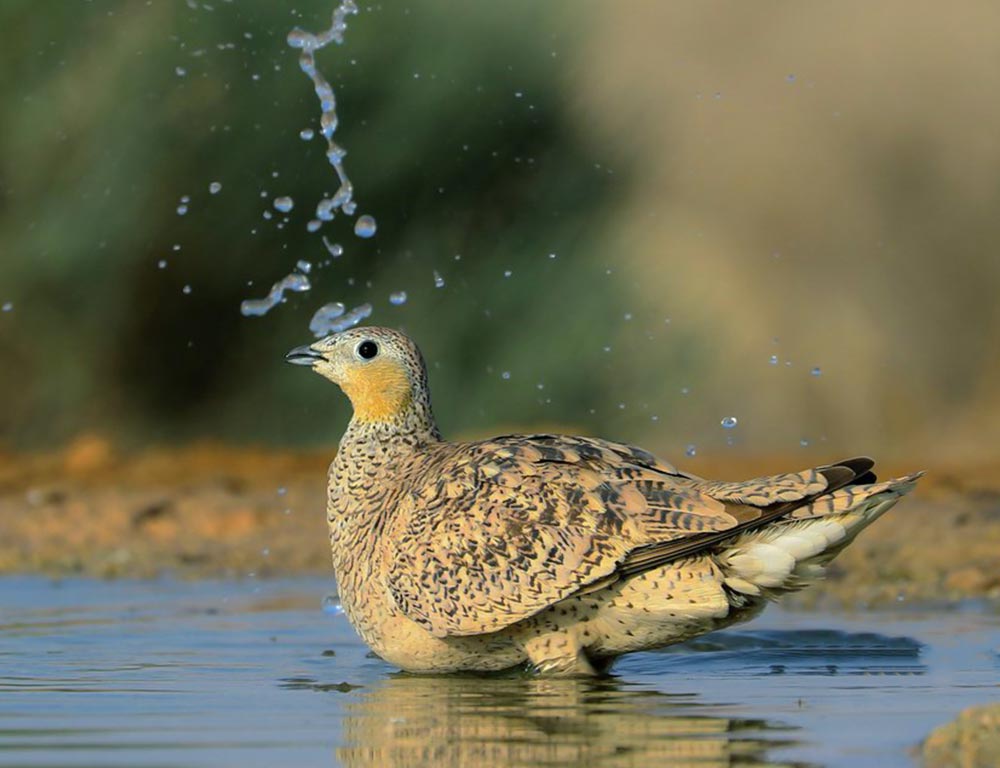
column 369, row 441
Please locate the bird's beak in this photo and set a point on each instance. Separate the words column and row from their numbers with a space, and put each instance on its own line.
column 304, row 355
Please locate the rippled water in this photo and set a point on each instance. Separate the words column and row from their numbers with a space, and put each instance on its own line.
column 257, row 673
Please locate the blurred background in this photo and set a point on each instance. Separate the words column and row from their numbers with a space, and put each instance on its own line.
column 646, row 217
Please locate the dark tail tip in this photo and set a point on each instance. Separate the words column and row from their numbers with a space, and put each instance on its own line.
column 859, row 465
column 837, row 476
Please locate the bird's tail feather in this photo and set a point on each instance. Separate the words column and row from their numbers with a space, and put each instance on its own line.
column 792, row 553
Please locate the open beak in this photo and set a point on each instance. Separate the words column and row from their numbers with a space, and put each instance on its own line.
column 303, row 356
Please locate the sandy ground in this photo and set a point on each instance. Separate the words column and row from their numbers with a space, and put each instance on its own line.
column 208, row 511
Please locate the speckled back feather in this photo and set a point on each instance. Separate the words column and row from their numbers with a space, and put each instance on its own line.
column 519, row 523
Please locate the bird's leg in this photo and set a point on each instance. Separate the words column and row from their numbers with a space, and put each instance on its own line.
column 558, row 653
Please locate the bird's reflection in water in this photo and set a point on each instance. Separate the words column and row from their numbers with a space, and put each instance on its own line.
column 458, row 721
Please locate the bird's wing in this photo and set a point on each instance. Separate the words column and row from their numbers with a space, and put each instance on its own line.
column 491, row 533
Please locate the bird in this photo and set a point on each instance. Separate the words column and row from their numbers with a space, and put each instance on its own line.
column 552, row 553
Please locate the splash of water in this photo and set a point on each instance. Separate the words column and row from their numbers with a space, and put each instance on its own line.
column 325, row 316
column 257, row 307
column 308, row 43
column 331, row 318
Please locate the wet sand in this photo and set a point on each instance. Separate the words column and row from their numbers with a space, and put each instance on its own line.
column 215, row 511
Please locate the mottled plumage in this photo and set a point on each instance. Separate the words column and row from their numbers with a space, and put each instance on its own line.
column 564, row 552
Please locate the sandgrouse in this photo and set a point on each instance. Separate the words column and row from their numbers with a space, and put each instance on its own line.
column 559, row 552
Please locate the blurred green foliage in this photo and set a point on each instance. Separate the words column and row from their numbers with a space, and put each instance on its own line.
column 460, row 143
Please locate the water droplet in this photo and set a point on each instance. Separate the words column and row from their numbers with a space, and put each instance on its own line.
column 729, row 422
column 505, row 375
column 331, row 604
column 691, row 451
column 181, row 210
column 324, row 316
column 365, row 226
column 258, row 307
column 334, row 249
column 331, row 318
column 306, row 134
column 162, row 264
column 284, row 204
column 773, row 360
column 816, row 372
column 180, row 71
column 438, row 280
column 396, row 298
column 303, row 266
column 299, row 38
column 214, row 188
column 8, row 306
column 324, row 209
column 186, row 289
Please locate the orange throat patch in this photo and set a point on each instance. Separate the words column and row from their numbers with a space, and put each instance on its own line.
column 381, row 391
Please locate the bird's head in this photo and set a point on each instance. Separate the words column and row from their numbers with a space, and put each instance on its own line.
column 379, row 369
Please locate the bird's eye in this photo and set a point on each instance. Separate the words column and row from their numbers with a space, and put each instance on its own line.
column 367, row 350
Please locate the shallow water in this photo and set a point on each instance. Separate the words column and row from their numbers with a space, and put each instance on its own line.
column 258, row 673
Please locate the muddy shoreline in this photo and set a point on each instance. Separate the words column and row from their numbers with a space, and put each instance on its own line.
column 214, row 511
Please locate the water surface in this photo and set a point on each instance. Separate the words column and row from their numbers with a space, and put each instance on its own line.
column 258, row 673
